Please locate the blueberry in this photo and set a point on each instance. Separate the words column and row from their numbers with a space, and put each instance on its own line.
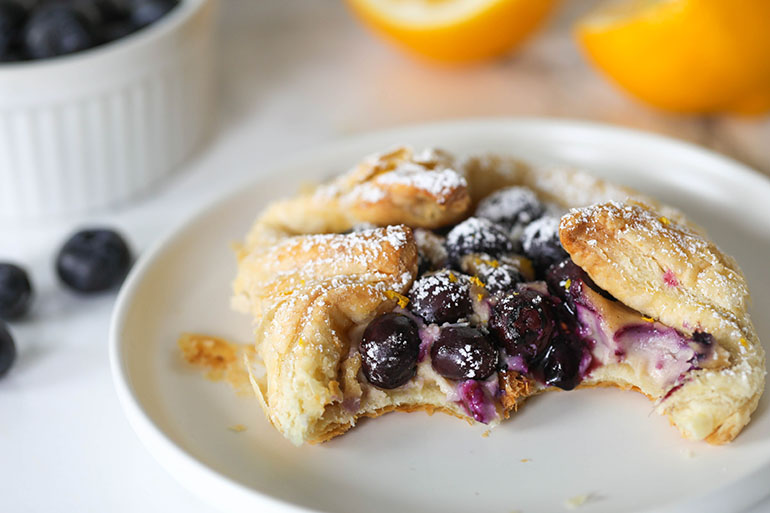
column 93, row 260
column 560, row 364
column 11, row 55
column 462, row 352
column 513, row 207
column 523, row 323
column 12, row 17
column 541, row 244
column 389, row 350
column 565, row 278
column 57, row 29
column 15, row 291
column 113, row 31
column 146, row 12
column 100, row 12
column 703, row 337
column 477, row 235
column 430, row 249
column 441, row 297
column 498, row 275
column 7, row 349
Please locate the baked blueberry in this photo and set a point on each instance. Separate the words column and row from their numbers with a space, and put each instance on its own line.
column 431, row 252
column 540, row 243
column 441, row 297
column 15, row 291
column 477, row 235
column 560, row 364
column 498, row 275
column 513, row 207
column 57, row 29
column 12, row 17
column 523, row 323
column 146, row 12
column 7, row 349
column 564, row 281
column 462, row 352
column 389, row 350
column 93, row 260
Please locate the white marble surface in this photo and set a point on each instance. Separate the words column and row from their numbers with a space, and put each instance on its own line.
column 293, row 75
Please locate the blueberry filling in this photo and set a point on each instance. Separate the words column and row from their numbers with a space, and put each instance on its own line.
column 477, row 235
column 462, row 352
column 512, row 207
column 523, row 322
column 476, row 314
column 540, row 243
column 441, row 297
column 389, row 350
column 497, row 275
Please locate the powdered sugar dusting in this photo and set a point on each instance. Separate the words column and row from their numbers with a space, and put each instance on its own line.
column 441, row 183
column 540, row 232
column 516, row 206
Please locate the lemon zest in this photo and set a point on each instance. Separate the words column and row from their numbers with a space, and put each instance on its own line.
column 452, row 277
column 402, row 300
column 476, row 281
column 664, row 220
column 648, row 319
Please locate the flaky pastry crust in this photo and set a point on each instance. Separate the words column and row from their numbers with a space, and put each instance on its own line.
column 310, row 288
column 669, row 272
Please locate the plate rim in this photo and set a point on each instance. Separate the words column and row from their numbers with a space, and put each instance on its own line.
column 171, row 456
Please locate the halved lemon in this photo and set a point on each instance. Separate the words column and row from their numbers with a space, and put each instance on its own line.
column 454, row 30
column 696, row 56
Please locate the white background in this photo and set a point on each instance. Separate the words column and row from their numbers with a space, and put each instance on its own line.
column 293, row 74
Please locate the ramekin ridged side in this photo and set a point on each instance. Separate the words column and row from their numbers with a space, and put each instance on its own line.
column 88, row 131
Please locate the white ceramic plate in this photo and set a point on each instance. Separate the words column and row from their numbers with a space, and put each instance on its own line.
column 601, row 442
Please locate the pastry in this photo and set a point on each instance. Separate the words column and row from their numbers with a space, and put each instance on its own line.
column 419, row 282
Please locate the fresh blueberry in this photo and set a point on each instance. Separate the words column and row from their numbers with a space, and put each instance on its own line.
column 11, row 55
column 12, row 17
column 7, row 349
column 93, row 260
column 560, row 364
column 462, row 352
column 498, row 275
column 512, row 207
column 15, row 291
column 389, row 350
column 541, row 244
column 57, row 29
column 523, row 323
column 146, row 12
column 113, row 31
column 477, row 235
column 100, row 12
column 441, row 297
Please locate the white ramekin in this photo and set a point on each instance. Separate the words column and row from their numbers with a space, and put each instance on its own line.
column 90, row 130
